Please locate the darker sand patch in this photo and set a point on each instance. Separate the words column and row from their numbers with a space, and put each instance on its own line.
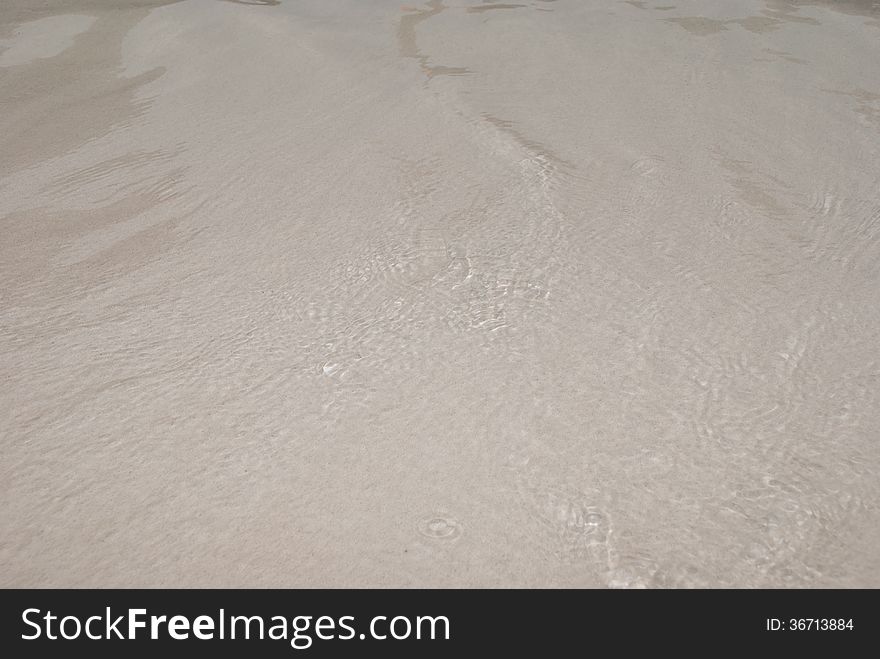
column 699, row 25
column 769, row 21
column 262, row 3
column 788, row 57
column 13, row 12
column 870, row 8
column 530, row 145
column 758, row 24
column 33, row 256
column 484, row 8
column 51, row 106
column 408, row 45
column 759, row 192
column 867, row 104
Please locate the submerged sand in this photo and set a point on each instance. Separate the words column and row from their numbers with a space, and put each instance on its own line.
column 310, row 293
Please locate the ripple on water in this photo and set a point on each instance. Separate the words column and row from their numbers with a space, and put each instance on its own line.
column 438, row 527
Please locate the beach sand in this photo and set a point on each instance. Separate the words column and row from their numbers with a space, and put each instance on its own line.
column 309, row 293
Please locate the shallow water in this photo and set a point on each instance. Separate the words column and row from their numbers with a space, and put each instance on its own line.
column 449, row 294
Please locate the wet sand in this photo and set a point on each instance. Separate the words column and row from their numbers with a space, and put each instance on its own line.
column 541, row 293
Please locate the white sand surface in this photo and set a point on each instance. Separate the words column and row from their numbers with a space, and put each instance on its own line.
column 355, row 293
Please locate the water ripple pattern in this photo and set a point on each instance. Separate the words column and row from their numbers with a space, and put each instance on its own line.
column 492, row 294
